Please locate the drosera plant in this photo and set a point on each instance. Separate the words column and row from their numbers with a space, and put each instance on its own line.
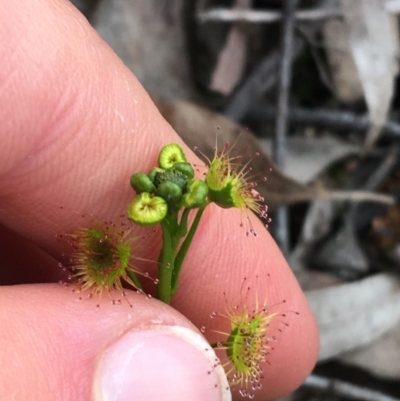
column 231, row 183
column 168, row 193
column 166, row 196
column 249, row 339
column 103, row 254
column 102, row 259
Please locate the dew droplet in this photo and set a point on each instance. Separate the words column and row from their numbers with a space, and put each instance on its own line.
column 203, row 329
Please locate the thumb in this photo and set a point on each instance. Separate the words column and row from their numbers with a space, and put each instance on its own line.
column 55, row 346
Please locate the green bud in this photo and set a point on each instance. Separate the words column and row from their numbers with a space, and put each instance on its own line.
column 171, row 154
column 172, row 175
column 153, row 172
column 196, row 194
column 170, row 191
column 223, row 197
column 146, row 210
column 141, row 183
column 184, row 168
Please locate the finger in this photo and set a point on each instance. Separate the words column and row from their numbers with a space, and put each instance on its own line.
column 75, row 351
column 227, row 270
column 89, row 126
column 17, row 254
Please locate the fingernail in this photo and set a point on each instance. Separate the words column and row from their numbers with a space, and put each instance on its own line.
column 160, row 363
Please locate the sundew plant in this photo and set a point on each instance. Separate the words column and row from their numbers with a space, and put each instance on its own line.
column 168, row 194
column 103, row 255
column 249, row 338
column 103, row 258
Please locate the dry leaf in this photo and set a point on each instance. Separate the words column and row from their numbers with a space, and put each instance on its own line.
column 380, row 358
column 308, row 157
column 232, row 58
column 352, row 315
column 374, row 53
column 344, row 72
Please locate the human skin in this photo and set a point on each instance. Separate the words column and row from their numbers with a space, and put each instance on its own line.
column 75, row 124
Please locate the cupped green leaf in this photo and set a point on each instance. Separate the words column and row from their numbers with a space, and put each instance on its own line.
column 145, row 210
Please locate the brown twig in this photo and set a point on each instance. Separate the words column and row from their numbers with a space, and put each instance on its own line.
column 345, row 389
column 229, row 15
column 357, row 196
column 279, row 143
column 340, row 121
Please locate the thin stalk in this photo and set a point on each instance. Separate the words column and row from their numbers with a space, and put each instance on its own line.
column 182, row 230
column 166, row 265
column 171, row 224
column 184, row 248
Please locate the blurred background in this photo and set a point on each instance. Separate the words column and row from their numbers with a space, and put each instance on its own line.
column 316, row 85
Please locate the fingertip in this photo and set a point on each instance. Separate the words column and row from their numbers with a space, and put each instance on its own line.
column 161, row 362
column 110, row 352
column 226, row 270
column 76, row 122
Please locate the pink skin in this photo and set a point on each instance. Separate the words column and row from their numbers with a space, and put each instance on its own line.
column 75, row 125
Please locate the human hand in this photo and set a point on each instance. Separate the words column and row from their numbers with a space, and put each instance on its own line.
column 75, row 125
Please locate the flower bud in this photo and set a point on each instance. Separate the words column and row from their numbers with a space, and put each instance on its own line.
column 171, row 175
column 171, row 154
column 153, row 172
column 196, row 194
column 184, row 168
column 224, row 197
column 146, row 210
column 140, row 182
column 170, row 191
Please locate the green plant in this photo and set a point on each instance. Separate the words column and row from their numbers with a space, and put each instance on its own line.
column 249, row 338
column 169, row 192
column 166, row 195
column 102, row 258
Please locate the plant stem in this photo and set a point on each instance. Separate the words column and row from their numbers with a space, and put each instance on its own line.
column 184, row 248
column 166, row 265
column 182, row 230
column 171, row 224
